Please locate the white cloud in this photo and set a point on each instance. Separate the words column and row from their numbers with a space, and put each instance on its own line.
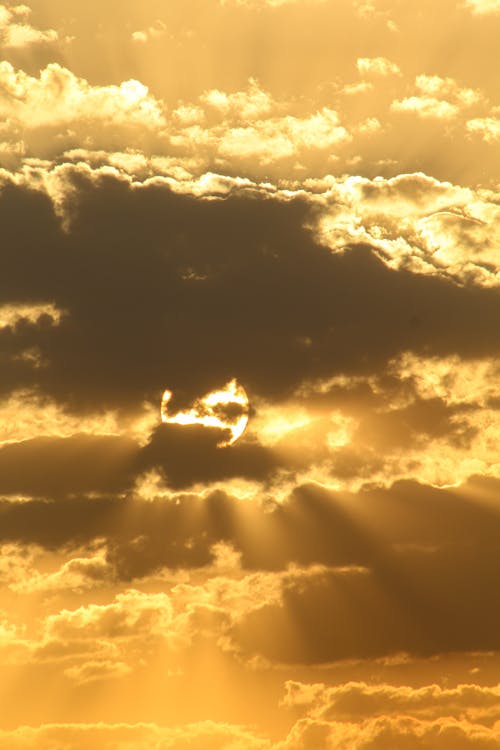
column 379, row 66
column 435, row 86
column 426, row 106
column 483, row 7
column 251, row 104
column 420, row 223
column 59, row 97
column 486, row 127
column 16, row 33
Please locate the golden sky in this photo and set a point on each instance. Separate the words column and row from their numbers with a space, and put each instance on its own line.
column 250, row 375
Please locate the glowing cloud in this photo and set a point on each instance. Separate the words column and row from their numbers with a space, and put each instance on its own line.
column 12, row 314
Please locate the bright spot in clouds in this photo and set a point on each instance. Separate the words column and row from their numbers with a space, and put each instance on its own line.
column 225, row 409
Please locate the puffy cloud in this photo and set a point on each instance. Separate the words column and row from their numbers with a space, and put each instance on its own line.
column 48, row 117
column 15, row 32
column 306, row 734
column 102, row 641
column 246, row 131
column 284, row 137
column 426, row 106
column 379, row 66
column 487, row 127
column 483, row 7
column 358, row 701
column 436, row 86
column 131, row 614
column 51, row 113
column 385, row 733
column 267, row 139
column 58, row 97
column 382, row 716
column 251, row 104
column 87, row 571
column 27, row 414
column 419, row 223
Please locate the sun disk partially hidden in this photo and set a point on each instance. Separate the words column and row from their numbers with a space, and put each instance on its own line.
column 224, row 409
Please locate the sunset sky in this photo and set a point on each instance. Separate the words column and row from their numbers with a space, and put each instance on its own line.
column 250, row 375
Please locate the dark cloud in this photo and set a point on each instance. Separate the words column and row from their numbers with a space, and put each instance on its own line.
column 54, row 467
column 188, row 454
column 167, row 290
column 164, row 290
column 429, row 585
column 51, row 467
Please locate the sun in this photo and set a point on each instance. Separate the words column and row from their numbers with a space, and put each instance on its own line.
column 224, row 409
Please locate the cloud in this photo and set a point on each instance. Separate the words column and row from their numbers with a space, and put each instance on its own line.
column 182, row 316
column 487, row 127
column 16, row 33
column 306, row 734
column 27, row 414
column 447, row 87
column 131, row 614
column 384, row 733
column 87, row 571
column 203, row 735
column 238, row 195
column 483, row 7
column 379, row 66
column 251, row 104
column 426, row 106
column 155, row 31
column 258, row 580
column 173, row 447
column 438, row 97
column 358, row 701
column 266, row 140
column 66, row 465
column 52, row 112
column 11, row 315
column 418, row 222
column 247, row 130
column 58, row 97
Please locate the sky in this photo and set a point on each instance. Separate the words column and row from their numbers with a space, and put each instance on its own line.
column 250, row 375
